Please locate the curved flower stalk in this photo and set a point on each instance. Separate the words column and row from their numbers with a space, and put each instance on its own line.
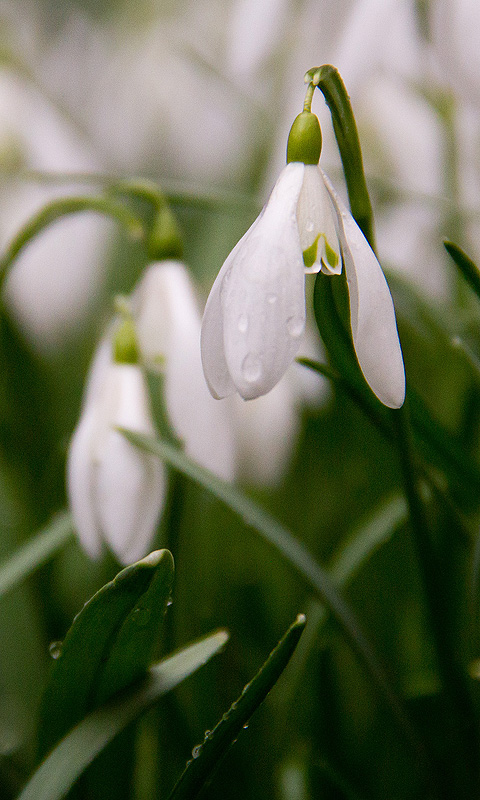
column 116, row 492
column 255, row 315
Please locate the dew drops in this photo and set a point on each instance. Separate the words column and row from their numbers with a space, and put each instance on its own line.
column 251, row 368
column 55, row 650
column 169, row 601
column 271, row 299
column 243, row 323
column 196, row 750
column 309, row 226
column 295, row 325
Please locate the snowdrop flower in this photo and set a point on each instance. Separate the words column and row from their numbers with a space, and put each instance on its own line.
column 116, row 492
column 255, row 315
column 168, row 327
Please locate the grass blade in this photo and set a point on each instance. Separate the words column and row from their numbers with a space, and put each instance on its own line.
column 208, row 755
column 36, row 552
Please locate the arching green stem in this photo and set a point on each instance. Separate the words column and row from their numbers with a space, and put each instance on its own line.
column 62, row 208
column 329, row 81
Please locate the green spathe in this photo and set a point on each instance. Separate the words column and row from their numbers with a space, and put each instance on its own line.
column 305, row 139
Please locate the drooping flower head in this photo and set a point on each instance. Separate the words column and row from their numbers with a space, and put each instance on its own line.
column 255, row 315
column 116, row 491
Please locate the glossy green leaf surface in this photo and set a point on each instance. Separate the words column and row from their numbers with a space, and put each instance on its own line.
column 76, row 751
column 207, row 755
column 109, row 645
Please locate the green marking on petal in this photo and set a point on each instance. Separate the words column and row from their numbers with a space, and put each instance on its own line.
column 331, row 255
column 310, row 254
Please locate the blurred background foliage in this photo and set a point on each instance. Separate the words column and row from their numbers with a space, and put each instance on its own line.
column 198, row 96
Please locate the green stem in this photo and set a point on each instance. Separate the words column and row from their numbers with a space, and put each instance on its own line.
column 329, row 81
column 62, row 208
column 459, row 710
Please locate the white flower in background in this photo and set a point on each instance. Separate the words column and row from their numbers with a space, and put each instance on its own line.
column 168, row 327
column 255, row 315
column 455, row 25
column 116, row 492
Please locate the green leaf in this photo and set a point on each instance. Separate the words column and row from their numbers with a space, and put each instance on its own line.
column 297, row 555
column 466, row 266
column 76, row 751
column 36, row 552
column 207, row 756
column 109, row 645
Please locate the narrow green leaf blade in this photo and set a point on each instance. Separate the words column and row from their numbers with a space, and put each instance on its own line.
column 76, row 751
column 466, row 266
column 299, row 558
column 208, row 755
column 36, row 552
column 108, row 645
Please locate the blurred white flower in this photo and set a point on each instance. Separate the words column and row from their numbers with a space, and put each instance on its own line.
column 168, row 327
column 455, row 27
column 116, row 492
column 255, row 315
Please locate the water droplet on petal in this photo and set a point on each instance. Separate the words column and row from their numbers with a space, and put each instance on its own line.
column 295, row 325
column 251, row 368
column 309, row 226
column 271, row 299
column 55, row 649
column 243, row 323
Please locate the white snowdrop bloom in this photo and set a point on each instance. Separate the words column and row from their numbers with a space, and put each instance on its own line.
column 168, row 324
column 116, row 492
column 255, row 315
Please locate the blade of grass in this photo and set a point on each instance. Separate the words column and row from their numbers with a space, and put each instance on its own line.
column 208, row 755
column 467, row 267
column 36, row 552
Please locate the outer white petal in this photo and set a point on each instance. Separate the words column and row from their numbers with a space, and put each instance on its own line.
column 214, row 362
column 372, row 313
column 316, row 222
column 130, row 485
column 260, row 293
column 80, row 477
column 168, row 325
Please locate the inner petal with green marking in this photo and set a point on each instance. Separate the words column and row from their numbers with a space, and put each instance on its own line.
column 329, row 258
column 316, row 225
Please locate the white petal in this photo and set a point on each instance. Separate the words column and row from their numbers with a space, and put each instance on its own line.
column 372, row 313
column 168, row 323
column 316, row 223
column 262, row 293
column 130, row 485
column 214, row 363
column 80, row 476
